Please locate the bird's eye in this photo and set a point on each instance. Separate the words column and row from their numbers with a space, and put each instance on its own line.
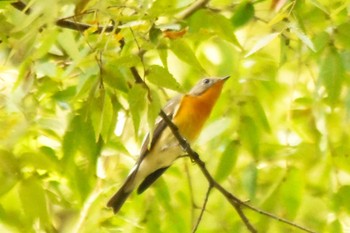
column 206, row 81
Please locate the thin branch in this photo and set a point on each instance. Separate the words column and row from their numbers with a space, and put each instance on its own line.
column 203, row 208
column 191, row 9
column 189, row 182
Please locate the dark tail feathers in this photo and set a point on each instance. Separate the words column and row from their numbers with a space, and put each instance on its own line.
column 118, row 199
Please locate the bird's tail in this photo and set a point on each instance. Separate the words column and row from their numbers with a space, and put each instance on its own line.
column 118, row 199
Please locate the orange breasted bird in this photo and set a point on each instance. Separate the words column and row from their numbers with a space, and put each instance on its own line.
column 189, row 113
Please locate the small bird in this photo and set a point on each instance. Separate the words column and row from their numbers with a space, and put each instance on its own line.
column 189, row 113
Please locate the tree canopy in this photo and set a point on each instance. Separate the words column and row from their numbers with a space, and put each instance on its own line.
column 83, row 81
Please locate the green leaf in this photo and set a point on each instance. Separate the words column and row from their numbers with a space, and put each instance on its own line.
column 102, row 115
column 153, row 110
column 67, row 41
column 224, row 29
column 33, row 200
column 46, row 44
column 185, row 53
column 163, row 55
column 341, row 198
column 250, row 179
column 261, row 43
column 243, row 14
column 302, row 36
column 161, row 77
column 227, row 161
column 9, row 168
column 343, row 35
column 114, row 77
column 137, row 102
column 257, row 112
column 317, row 4
column 249, row 134
column 292, row 192
column 332, row 75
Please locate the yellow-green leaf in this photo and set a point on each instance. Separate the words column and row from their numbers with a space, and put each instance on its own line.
column 137, row 102
column 161, row 77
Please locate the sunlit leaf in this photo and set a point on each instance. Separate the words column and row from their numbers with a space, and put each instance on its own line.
column 317, row 4
column 137, row 102
column 153, row 109
column 250, row 179
column 33, row 199
column 261, row 43
column 292, row 192
column 184, row 52
column 67, row 41
column 161, row 77
column 332, row 74
column 302, row 36
column 8, row 170
column 101, row 115
column 249, row 134
column 340, row 198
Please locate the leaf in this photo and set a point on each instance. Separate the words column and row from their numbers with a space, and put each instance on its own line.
column 153, row 110
column 184, row 52
column 67, row 41
column 292, row 192
column 341, row 198
column 137, row 102
column 205, row 21
column 332, row 75
column 262, row 43
column 343, row 35
column 257, row 111
column 223, row 28
column 302, row 36
column 161, row 77
column 317, row 4
column 33, row 200
column 227, row 161
column 250, row 179
column 102, row 116
column 114, row 77
column 249, row 134
column 9, row 169
column 243, row 14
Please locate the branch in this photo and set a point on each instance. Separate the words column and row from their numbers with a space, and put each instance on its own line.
column 203, row 208
column 77, row 26
column 192, row 9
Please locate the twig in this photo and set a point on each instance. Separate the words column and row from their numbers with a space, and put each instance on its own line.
column 203, row 208
column 77, row 26
column 191, row 9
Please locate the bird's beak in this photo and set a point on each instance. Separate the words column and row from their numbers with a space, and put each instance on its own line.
column 225, row 78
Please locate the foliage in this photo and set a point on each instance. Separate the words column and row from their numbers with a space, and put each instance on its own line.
column 73, row 115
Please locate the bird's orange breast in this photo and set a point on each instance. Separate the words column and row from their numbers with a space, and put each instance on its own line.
column 195, row 110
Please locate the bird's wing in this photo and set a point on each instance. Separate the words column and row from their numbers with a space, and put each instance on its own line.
column 169, row 109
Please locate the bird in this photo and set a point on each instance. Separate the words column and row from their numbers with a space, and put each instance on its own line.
column 160, row 149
